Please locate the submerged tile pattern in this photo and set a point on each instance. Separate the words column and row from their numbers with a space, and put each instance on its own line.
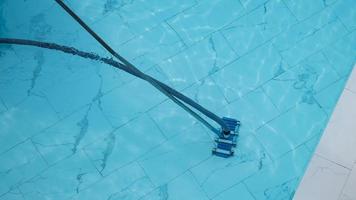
column 76, row 129
column 331, row 173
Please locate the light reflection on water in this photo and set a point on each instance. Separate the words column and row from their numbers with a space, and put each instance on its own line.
column 92, row 132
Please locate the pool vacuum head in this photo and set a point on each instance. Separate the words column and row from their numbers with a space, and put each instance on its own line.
column 226, row 141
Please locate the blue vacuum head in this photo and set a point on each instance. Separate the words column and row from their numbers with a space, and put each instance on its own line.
column 226, row 141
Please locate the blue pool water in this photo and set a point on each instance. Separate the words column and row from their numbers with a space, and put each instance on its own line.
column 72, row 128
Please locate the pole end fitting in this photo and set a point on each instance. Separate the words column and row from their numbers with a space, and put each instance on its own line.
column 226, row 141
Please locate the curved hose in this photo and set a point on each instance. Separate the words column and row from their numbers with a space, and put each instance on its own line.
column 171, row 93
column 168, row 91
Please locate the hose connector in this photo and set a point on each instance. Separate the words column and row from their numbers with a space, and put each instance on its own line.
column 226, row 140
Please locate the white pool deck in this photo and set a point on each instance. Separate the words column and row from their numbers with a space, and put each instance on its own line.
column 331, row 174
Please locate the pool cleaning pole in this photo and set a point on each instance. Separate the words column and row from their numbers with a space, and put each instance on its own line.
column 92, row 56
column 168, row 91
column 226, row 139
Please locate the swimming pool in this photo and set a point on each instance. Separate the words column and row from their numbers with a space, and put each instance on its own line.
column 71, row 128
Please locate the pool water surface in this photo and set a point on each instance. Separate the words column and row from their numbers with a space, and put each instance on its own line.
column 72, row 128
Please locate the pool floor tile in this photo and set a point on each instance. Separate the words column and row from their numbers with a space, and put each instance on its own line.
column 214, row 102
column 129, row 182
column 168, row 111
column 280, row 136
column 319, row 39
column 197, row 22
column 301, row 83
column 64, row 139
column 190, row 147
column 9, row 58
column 18, row 165
column 304, row 29
column 312, row 143
column 120, row 106
column 124, row 145
column 3, row 106
column 231, row 193
column 164, row 10
column 337, row 54
column 24, row 121
column 198, row 61
column 11, row 5
column 251, row 5
column 183, row 187
column 14, row 194
column 17, row 76
column 88, row 12
column 279, row 181
column 250, row 158
column 110, row 79
column 248, row 73
column 259, row 26
column 114, row 36
column 137, row 17
column 69, row 87
column 345, row 11
column 152, row 52
column 244, row 34
column 246, row 109
column 303, row 9
column 323, row 97
column 62, row 180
